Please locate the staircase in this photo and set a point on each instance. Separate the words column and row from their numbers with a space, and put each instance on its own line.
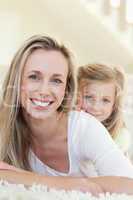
column 116, row 16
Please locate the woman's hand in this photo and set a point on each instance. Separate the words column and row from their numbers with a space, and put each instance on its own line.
column 5, row 166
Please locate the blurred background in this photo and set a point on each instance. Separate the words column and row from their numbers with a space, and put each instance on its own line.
column 96, row 31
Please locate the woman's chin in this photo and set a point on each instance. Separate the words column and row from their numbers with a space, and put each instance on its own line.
column 39, row 115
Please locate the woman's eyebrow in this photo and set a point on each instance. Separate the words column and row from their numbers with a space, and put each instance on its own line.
column 34, row 71
column 58, row 75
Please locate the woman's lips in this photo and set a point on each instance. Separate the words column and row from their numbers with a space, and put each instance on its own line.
column 40, row 103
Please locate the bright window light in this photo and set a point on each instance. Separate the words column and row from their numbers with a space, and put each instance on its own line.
column 115, row 3
column 129, row 11
column 10, row 27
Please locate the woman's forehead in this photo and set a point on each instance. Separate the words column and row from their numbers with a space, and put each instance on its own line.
column 43, row 60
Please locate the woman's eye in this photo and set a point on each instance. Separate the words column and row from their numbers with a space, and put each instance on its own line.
column 33, row 77
column 58, row 81
column 88, row 97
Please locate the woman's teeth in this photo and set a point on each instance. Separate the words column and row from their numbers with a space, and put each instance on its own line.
column 40, row 103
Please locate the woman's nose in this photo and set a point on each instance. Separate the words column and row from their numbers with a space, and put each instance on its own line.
column 44, row 88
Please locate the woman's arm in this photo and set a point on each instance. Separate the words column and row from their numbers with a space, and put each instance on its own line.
column 115, row 184
column 56, row 182
column 93, row 185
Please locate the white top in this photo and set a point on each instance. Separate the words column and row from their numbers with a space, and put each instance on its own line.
column 88, row 142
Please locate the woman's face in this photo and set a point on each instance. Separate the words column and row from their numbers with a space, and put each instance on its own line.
column 98, row 99
column 43, row 83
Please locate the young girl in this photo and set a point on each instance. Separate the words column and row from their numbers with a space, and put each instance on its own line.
column 40, row 134
column 101, row 91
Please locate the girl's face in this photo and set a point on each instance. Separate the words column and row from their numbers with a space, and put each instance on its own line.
column 43, row 83
column 98, row 99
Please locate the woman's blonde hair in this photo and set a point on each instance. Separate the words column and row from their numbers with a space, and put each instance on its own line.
column 105, row 73
column 14, row 141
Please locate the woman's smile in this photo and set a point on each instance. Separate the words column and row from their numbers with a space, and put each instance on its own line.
column 41, row 104
column 43, row 88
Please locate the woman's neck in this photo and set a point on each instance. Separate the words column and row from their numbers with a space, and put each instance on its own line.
column 50, row 129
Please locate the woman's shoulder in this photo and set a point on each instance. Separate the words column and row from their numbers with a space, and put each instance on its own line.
column 85, row 120
column 81, row 115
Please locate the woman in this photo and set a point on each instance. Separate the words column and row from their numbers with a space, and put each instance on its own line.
column 40, row 134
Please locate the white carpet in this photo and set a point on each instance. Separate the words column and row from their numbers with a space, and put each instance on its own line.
column 36, row 192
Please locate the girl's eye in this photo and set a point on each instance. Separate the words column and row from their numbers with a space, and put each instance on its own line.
column 106, row 100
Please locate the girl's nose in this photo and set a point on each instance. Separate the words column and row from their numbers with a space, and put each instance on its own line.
column 96, row 105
